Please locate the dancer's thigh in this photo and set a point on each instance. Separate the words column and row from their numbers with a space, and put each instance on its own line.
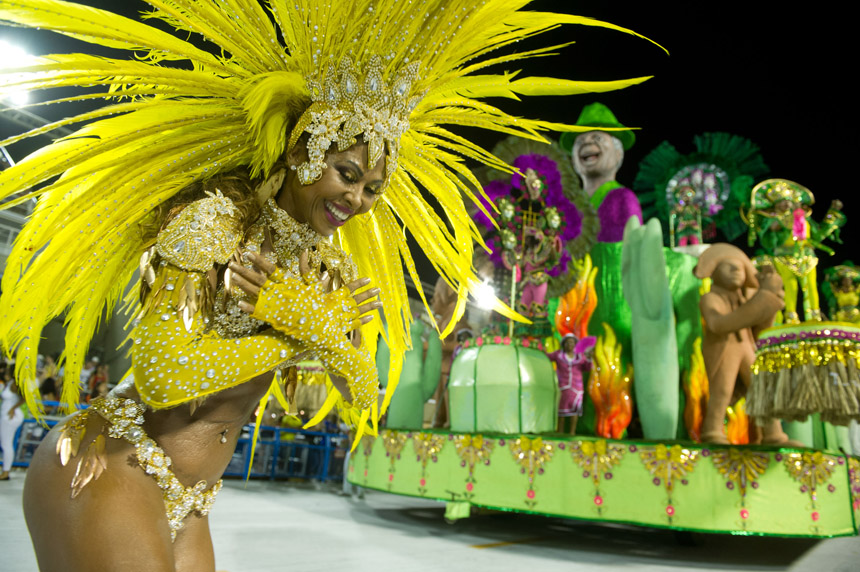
column 117, row 522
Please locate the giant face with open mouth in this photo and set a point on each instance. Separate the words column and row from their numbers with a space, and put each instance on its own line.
column 595, row 154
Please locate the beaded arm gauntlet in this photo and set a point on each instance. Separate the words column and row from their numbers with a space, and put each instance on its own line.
column 177, row 360
column 178, row 357
column 320, row 322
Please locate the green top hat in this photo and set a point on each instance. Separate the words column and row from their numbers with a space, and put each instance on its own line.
column 598, row 115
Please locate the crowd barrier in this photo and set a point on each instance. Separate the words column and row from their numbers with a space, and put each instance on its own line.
column 281, row 452
column 289, row 453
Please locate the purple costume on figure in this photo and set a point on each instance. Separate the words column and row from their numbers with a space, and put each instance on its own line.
column 615, row 205
column 569, row 370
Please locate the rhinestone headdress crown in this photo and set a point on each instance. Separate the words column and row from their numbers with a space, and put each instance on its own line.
column 346, row 105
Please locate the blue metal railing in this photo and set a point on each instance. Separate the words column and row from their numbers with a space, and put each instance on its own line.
column 280, row 453
column 31, row 433
column 283, row 452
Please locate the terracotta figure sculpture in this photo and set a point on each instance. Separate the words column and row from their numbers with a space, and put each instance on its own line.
column 739, row 305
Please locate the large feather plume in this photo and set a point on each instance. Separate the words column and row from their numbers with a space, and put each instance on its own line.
column 183, row 114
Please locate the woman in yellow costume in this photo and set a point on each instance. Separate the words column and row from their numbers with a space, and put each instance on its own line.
column 780, row 218
column 264, row 192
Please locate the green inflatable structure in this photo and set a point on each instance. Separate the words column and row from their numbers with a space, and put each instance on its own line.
column 418, row 381
column 503, row 388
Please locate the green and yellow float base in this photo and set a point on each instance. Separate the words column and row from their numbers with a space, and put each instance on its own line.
column 751, row 490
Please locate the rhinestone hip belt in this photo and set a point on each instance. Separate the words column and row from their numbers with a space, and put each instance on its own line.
column 126, row 419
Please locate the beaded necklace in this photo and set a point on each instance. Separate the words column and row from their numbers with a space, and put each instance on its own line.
column 290, row 238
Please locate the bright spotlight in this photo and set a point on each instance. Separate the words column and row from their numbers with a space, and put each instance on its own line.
column 485, row 297
column 13, row 56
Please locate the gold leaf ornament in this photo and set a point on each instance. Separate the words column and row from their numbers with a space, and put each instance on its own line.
column 91, row 465
column 71, row 434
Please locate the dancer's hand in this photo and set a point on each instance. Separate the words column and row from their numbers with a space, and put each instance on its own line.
column 250, row 280
column 366, row 303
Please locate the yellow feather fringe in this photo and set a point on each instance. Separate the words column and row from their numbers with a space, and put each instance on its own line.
column 180, row 114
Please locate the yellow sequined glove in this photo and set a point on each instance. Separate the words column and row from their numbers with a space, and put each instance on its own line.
column 177, row 358
column 319, row 322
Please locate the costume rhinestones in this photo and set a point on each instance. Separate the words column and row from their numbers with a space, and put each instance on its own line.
column 345, row 107
column 126, row 422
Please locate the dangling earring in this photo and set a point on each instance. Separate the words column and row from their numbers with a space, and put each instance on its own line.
column 224, row 436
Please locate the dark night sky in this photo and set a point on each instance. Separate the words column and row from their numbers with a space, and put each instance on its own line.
column 770, row 75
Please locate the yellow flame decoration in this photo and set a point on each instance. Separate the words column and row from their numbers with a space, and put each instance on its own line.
column 737, row 426
column 696, row 391
column 609, row 387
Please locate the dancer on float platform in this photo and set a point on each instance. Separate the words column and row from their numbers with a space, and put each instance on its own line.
column 571, row 361
column 267, row 188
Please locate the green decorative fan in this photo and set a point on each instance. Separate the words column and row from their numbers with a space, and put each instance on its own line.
column 716, row 179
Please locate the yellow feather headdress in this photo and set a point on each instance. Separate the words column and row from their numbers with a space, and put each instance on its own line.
column 173, row 123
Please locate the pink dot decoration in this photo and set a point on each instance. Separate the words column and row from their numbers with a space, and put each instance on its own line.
column 598, row 500
column 497, row 340
column 745, row 514
column 479, row 342
column 423, row 482
column 670, row 510
column 365, row 472
column 390, row 477
column 815, row 516
column 469, row 487
column 857, row 505
column 530, row 494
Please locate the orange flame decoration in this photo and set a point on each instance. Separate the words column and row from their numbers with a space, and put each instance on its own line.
column 738, row 427
column 696, row 391
column 576, row 307
column 609, row 388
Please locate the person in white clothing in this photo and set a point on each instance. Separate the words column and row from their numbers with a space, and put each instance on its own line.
column 11, row 418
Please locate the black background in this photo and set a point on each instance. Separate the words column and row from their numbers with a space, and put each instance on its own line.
column 778, row 77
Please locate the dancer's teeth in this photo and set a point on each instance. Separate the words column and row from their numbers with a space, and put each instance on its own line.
column 337, row 214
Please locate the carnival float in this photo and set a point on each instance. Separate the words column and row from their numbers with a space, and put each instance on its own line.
column 664, row 380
